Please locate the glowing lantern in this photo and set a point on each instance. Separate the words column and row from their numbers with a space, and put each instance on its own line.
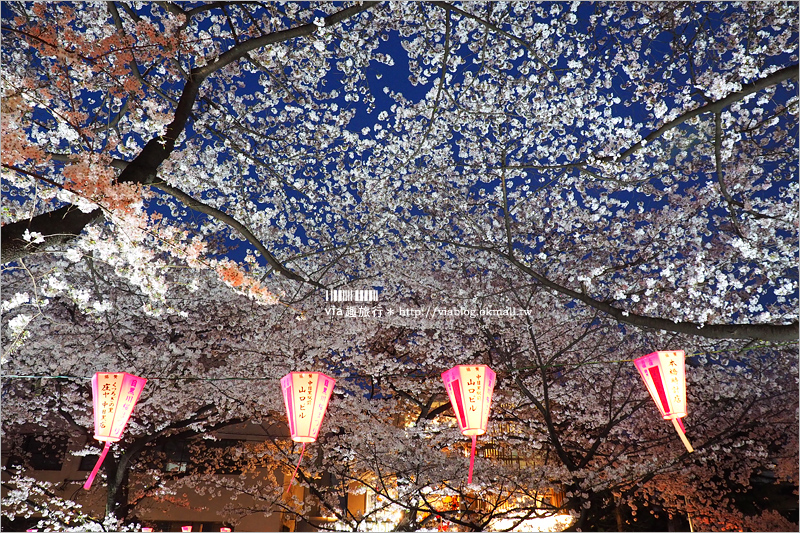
column 147, row 529
column 470, row 389
column 114, row 395
column 664, row 375
column 186, row 528
column 225, row 529
column 306, row 395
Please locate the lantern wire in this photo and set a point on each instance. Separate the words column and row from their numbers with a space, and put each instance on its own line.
column 265, row 378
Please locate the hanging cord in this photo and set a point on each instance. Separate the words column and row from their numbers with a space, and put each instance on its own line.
column 776, row 345
column 194, row 378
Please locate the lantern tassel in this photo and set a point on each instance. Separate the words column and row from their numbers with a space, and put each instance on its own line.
column 472, row 459
column 89, row 481
column 679, row 428
column 302, row 450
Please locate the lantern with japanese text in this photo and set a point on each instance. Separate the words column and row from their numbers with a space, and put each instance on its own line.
column 470, row 390
column 114, row 394
column 664, row 375
column 306, row 396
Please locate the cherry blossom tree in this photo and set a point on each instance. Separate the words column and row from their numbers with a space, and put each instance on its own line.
column 620, row 202
column 182, row 181
column 609, row 446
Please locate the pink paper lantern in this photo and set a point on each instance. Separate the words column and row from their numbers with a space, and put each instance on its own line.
column 470, row 390
column 114, row 394
column 306, row 396
column 186, row 528
column 225, row 529
column 664, row 375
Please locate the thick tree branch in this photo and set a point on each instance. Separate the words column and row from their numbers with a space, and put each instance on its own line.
column 767, row 332
column 188, row 201
column 67, row 222
column 57, row 227
column 241, row 49
column 713, row 107
column 555, row 441
column 506, row 211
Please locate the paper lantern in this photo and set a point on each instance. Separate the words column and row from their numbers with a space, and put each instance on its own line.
column 186, row 528
column 225, row 529
column 114, row 394
column 470, row 390
column 664, row 375
column 147, row 529
column 306, row 396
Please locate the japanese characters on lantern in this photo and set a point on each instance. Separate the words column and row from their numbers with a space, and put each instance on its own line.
column 306, row 396
column 470, row 390
column 664, row 375
column 114, row 394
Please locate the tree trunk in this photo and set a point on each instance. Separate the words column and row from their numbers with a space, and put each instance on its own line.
column 56, row 227
column 117, row 488
column 618, row 515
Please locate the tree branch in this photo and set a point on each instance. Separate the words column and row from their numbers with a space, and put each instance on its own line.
column 67, row 222
column 718, row 162
column 506, row 214
column 438, row 92
column 450, row 7
column 767, row 332
column 713, row 107
column 243, row 230
column 57, row 227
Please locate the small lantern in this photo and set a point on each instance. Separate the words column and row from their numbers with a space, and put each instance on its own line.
column 186, row 528
column 664, row 375
column 470, row 390
column 306, row 396
column 114, row 394
column 227, row 529
column 147, row 529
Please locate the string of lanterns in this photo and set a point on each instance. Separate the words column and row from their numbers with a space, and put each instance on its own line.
column 306, row 396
